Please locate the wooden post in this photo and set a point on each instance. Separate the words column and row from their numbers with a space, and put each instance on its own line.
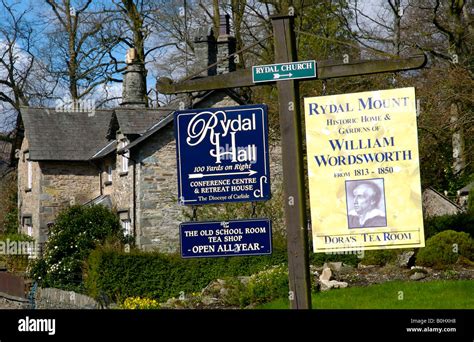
column 293, row 170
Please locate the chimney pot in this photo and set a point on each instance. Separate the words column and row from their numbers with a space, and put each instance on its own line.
column 226, row 46
column 205, row 50
column 133, row 86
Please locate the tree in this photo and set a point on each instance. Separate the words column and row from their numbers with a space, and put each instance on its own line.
column 443, row 30
column 85, row 58
column 17, row 58
column 22, row 77
column 447, row 35
column 75, row 233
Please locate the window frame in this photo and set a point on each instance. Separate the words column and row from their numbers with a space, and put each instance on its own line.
column 29, row 174
column 125, row 158
column 27, row 222
column 127, row 227
column 126, row 222
column 109, row 174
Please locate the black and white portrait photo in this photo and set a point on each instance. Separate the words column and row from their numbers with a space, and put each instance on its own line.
column 365, row 201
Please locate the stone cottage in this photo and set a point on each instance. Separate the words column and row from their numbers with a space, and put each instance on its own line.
column 123, row 158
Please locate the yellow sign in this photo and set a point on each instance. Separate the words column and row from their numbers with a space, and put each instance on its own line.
column 363, row 169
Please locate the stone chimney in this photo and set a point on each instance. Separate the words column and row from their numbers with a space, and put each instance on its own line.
column 205, row 51
column 226, row 45
column 133, row 87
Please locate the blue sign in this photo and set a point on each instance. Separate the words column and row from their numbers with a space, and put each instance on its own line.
column 222, row 155
column 228, row 238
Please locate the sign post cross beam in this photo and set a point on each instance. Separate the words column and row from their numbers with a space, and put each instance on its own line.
column 291, row 131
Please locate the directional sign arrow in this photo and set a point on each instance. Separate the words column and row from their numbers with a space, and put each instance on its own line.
column 281, row 75
column 202, row 175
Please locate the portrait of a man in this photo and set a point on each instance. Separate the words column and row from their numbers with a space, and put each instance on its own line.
column 366, row 203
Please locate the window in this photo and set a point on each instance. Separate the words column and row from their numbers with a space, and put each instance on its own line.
column 29, row 174
column 27, row 225
column 109, row 173
column 124, row 216
column 127, row 228
column 125, row 158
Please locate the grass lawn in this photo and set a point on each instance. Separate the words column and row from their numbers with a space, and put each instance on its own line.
column 440, row 294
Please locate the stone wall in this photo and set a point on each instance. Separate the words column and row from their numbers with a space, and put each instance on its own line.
column 55, row 185
column 11, row 302
column 50, row 298
column 64, row 184
column 108, row 187
column 120, row 189
column 28, row 199
column 123, row 185
column 158, row 212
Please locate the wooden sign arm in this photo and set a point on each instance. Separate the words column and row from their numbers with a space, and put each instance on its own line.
column 326, row 70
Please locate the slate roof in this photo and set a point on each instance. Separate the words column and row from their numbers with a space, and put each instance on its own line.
column 105, row 150
column 155, row 128
column 73, row 136
column 137, row 121
column 78, row 136
column 445, row 198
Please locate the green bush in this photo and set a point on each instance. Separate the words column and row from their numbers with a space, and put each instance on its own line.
column 10, row 221
column 14, row 261
column 444, row 249
column 119, row 275
column 470, row 203
column 379, row 257
column 463, row 222
column 75, row 233
column 268, row 285
column 237, row 293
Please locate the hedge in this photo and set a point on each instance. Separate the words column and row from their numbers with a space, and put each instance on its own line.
column 463, row 222
column 118, row 275
column 444, row 249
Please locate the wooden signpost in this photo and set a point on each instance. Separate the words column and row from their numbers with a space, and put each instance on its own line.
column 291, row 140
